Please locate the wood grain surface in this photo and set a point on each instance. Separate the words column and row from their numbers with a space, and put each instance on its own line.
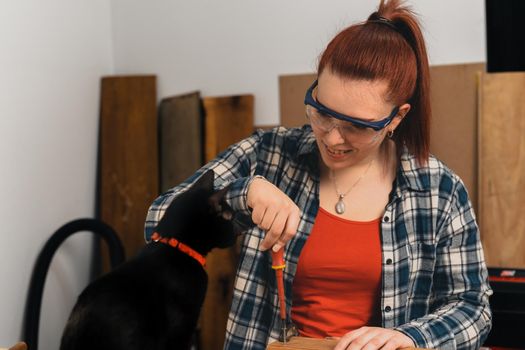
column 292, row 88
column 128, row 149
column 502, row 168
column 454, row 126
column 301, row 343
column 228, row 119
column 181, row 138
column 17, row 346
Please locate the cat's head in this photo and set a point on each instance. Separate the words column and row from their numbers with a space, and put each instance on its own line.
column 200, row 217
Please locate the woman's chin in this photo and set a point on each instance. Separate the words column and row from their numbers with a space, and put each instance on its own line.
column 338, row 161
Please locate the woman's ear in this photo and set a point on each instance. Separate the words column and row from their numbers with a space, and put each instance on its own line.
column 403, row 110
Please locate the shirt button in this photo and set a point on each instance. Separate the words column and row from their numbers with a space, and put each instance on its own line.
column 386, row 219
column 388, row 309
column 388, row 261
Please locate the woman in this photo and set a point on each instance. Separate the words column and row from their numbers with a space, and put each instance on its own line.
column 381, row 243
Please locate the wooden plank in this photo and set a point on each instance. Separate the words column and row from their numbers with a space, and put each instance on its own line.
column 128, row 148
column 181, row 129
column 502, row 168
column 301, row 343
column 17, row 346
column 292, row 88
column 453, row 133
column 227, row 120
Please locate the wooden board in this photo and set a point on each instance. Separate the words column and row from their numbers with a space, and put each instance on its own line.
column 453, row 134
column 17, row 346
column 292, row 89
column 301, row 343
column 181, row 138
column 128, row 149
column 454, row 129
column 502, row 168
column 227, row 120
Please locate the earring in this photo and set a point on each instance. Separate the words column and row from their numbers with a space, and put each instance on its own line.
column 390, row 133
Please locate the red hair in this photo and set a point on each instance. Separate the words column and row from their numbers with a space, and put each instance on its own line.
column 389, row 46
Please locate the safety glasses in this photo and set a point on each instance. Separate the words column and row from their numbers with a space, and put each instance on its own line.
column 309, row 100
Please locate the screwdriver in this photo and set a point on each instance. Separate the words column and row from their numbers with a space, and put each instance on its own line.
column 278, row 265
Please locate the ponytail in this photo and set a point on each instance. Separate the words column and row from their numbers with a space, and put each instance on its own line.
column 389, row 46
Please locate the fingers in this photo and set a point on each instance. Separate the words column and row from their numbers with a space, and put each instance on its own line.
column 374, row 338
column 392, row 344
column 370, row 341
column 288, row 229
column 267, row 224
column 274, row 224
column 349, row 337
column 292, row 223
column 274, row 232
column 258, row 215
column 270, row 215
column 274, row 212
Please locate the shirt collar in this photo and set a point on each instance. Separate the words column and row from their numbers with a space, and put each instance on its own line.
column 411, row 175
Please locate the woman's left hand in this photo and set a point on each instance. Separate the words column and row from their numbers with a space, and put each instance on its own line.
column 374, row 338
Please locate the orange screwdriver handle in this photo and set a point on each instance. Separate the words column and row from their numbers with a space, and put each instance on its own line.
column 278, row 265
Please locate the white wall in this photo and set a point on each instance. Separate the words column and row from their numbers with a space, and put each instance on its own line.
column 242, row 46
column 52, row 54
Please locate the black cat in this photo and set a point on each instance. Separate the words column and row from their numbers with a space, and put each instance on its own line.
column 153, row 301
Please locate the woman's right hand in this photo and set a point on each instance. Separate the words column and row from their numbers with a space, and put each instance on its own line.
column 274, row 212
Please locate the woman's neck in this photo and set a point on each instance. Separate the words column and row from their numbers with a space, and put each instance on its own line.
column 383, row 162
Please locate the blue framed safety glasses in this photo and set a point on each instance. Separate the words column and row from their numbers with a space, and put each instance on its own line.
column 375, row 125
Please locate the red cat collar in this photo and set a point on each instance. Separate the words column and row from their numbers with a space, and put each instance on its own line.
column 180, row 246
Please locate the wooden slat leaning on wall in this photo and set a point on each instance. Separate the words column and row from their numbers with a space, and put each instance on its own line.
column 128, row 148
column 502, row 168
column 453, row 132
column 227, row 121
column 292, row 89
column 454, row 126
column 181, row 139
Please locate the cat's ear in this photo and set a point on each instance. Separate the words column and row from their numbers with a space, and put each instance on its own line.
column 205, row 182
column 219, row 206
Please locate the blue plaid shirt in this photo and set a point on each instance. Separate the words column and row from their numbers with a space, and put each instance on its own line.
column 434, row 279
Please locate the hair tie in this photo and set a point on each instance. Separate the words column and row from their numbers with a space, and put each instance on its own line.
column 375, row 18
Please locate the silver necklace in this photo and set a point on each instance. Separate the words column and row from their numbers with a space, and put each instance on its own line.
column 340, row 205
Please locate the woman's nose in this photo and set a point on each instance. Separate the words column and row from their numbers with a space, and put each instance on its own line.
column 334, row 136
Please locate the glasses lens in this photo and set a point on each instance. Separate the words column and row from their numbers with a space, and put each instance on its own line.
column 351, row 132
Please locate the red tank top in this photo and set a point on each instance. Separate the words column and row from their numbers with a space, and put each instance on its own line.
column 337, row 285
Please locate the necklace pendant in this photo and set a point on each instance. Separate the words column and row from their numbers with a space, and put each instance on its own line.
column 340, row 206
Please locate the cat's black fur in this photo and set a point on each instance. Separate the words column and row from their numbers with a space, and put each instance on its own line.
column 153, row 301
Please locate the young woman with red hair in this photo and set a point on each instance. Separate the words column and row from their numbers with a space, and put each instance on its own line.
column 381, row 242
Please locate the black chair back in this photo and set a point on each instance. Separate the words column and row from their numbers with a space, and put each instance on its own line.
column 38, row 278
